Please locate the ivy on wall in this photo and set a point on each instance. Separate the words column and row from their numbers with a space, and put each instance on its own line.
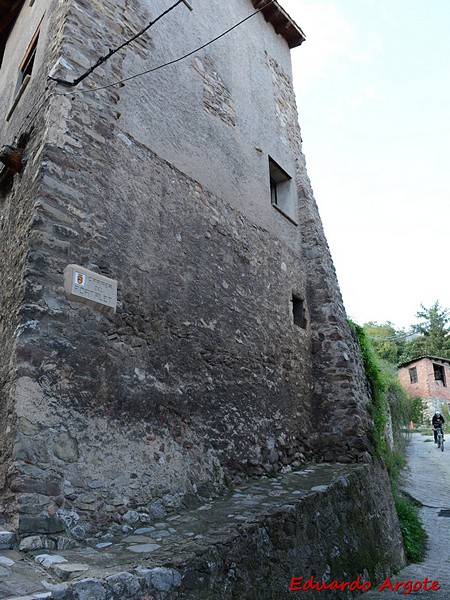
column 390, row 403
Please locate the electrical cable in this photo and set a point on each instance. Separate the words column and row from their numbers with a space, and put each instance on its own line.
column 171, row 62
column 103, row 59
column 28, row 120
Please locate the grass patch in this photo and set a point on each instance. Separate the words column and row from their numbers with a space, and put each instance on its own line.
column 414, row 535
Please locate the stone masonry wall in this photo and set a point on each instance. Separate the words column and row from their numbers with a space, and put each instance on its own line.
column 326, row 523
column 201, row 374
column 17, row 213
column 341, row 396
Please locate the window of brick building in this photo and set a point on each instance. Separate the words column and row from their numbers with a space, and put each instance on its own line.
column 413, row 375
column 439, row 375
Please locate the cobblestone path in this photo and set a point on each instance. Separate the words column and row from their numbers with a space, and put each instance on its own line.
column 427, row 480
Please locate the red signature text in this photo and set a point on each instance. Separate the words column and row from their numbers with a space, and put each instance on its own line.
column 299, row 584
column 409, row 586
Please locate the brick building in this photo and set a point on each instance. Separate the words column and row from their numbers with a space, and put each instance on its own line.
column 171, row 317
column 427, row 377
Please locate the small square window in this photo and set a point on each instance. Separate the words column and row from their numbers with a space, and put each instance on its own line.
column 281, row 190
column 299, row 312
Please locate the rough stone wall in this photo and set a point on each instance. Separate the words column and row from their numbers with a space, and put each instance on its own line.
column 201, row 373
column 348, row 532
column 17, row 213
column 341, row 396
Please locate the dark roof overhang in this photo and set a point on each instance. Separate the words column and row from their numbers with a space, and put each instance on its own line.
column 9, row 11
column 281, row 21
column 437, row 358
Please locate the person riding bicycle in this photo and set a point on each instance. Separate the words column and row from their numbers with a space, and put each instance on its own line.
column 437, row 422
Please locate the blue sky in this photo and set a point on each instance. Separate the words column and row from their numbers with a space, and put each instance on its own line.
column 372, row 82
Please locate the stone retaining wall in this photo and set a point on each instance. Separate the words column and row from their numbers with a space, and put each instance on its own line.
column 325, row 522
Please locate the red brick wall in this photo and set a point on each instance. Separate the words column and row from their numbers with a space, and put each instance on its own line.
column 426, row 387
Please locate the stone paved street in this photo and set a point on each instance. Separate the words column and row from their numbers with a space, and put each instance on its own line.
column 428, row 480
column 136, row 554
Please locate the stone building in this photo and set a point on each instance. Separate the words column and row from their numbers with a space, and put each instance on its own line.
column 427, row 377
column 226, row 352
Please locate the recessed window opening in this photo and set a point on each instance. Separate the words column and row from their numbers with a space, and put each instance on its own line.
column 299, row 311
column 27, row 64
column 413, row 375
column 439, row 375
column 281, row 189
column 25, row 70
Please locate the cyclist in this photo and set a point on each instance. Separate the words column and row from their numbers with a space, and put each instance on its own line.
column 437, row 422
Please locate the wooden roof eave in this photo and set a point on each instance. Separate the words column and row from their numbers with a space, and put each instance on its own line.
column 281, row 21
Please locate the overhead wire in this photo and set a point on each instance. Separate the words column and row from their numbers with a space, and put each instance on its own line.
column 104, row 58
column 175, row 60
column 29, row 119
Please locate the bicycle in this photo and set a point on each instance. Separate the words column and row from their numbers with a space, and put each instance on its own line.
column 440, row 438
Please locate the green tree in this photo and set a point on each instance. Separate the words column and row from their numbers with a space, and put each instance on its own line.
column 388, row 342
column 432, row 334
column 416, row 410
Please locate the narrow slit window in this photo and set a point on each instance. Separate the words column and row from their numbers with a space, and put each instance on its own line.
column 299, row 312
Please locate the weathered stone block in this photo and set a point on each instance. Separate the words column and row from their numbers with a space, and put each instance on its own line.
column 160, row 578
column 66, row 448
column 124, row 585
column 6, row 539
column 36, row 542
column 89, row 589
column 40, row 524
column 28, row 485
